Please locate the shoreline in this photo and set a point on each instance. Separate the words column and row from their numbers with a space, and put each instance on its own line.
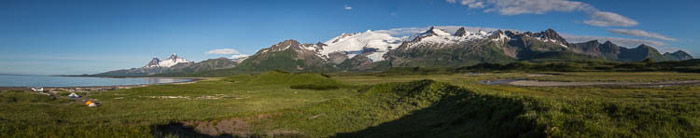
column 97, row 88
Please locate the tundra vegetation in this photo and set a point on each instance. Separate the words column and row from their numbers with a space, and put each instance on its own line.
column 448, row 104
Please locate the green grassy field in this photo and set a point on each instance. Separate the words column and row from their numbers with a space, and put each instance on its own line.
column 315, row 105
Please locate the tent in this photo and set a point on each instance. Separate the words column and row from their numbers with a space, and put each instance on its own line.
column 91, row 103
column 73, row 95
column 38, row 89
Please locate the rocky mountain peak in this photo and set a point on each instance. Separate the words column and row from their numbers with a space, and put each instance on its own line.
column 168, row 62
column 498, row 35
column 434, row 31
column 173, row 57
column 288, row 42
column 550, row 34
column 644, row 46
column 680, row 52
column 609, row 46
column 509, row 33
column 608, row 43
column 461, row 32
column 593, row 42
column 153, row 63
column 680, row 55
column 284, row 45
column 550, row 31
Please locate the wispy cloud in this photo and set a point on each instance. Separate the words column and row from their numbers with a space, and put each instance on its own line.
column 641, row 33
column 601, row 18
column 346, row 7
column 224, row 51
column 517, row 7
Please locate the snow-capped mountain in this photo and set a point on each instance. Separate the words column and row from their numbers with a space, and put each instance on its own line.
column 169, row 62
column 287, row 55
column 373, row 44
column 173, row 65
column 437, row 46
column 438, row 36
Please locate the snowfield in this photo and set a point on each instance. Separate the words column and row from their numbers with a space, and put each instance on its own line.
column 358, row 43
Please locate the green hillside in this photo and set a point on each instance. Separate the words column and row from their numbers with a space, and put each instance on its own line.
column 317, row 105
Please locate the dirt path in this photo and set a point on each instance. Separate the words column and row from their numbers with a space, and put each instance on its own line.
column 524, row 82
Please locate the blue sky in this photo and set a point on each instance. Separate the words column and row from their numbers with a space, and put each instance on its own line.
column 92, row 36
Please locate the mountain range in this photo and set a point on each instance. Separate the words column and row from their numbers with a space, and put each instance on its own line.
column 173, row 65
column 435, row 47
column 438, row 48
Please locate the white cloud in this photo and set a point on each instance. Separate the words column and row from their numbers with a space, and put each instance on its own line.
column 600, row 18
column 346, row 7
column 641, row 33
column 517, row 7
column 224, row 51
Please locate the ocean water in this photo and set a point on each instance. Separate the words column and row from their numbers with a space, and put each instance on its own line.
column 60, row 81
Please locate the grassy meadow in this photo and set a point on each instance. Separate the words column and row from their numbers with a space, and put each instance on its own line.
column 342, row 105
